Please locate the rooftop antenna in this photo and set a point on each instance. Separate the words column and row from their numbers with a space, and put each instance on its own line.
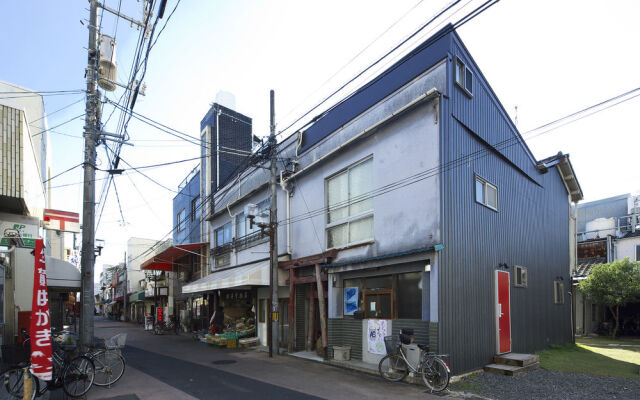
column 516, row 118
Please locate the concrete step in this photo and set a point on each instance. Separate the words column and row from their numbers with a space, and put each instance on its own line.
column 510, row 370
column 516, row 359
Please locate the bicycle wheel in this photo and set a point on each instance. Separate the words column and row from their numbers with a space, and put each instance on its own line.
column 78, row 376
column 393, row 368
column 109, row 367
column 14, row 383
column 436, row 376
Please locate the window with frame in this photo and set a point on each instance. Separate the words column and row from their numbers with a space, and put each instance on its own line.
column 349, row 208
column 558, row 292
column 464, row 77
column 223, row 234
column 519, row 276
column 637, row 252
column 243, row 224
column 397, row 296
column 486, row 193
column 181, row 220
column 195, row 207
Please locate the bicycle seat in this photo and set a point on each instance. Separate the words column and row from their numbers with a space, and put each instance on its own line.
column 423, row 347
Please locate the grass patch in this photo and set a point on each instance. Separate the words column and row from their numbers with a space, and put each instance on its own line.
column 616, row 362
column 467, row 384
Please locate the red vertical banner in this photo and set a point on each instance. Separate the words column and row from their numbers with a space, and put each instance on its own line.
column 40, row 329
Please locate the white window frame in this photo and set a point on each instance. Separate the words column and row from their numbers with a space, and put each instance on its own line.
column 181, row 220
column 485, row 184
column 221, row 227
column 462, row 83
column 351, row 218
column 522, row 271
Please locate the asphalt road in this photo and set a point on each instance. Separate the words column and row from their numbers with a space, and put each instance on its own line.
column 177, row 367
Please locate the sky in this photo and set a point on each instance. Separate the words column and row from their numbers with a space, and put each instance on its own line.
column 547, row 58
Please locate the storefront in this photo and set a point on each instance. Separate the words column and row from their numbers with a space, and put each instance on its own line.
column 137, row 311
column 241, row 291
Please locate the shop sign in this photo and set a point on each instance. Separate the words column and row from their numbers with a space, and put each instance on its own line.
column 377, row 330
column 160, row 311
column 25, row 234
column 40, row 328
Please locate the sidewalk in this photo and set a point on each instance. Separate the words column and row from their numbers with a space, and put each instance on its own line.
column 177, row 367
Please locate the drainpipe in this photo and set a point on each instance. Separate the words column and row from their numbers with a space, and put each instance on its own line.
column 283, row 185
column 218, row 148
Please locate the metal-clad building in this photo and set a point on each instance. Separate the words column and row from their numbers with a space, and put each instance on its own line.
column 434, row 212
column 187, row 210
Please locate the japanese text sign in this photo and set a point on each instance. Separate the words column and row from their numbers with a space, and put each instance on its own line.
column 40, row 325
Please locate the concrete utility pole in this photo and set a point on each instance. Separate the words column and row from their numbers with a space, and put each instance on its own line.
column 126, row 289
column 91, row 127
column 273, row 224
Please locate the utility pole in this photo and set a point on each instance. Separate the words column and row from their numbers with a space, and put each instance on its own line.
column 91, row 126
column 126, row 289
column 273, row 227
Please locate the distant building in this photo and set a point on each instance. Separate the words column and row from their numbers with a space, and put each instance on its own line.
column 607, row 230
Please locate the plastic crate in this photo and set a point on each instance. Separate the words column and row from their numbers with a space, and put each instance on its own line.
column 232, row 343
column 392, row 344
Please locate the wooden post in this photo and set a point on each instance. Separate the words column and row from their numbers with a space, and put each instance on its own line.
column 311, row 340
column 323, row 315
column 292, row 299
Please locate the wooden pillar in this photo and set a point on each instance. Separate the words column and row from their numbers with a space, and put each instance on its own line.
column 311, row 340
column 292, row 299
column 323, row 315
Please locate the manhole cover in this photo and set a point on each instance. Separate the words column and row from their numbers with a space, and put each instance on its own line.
column 223, row 362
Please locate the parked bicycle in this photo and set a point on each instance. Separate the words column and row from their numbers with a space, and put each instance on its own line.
column 395, row 366
column 18, row 373
column 168, row 325
column 106, row 356
column 74, row 375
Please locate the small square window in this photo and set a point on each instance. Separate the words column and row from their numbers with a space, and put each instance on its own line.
column 486, row 193
column 519, row 276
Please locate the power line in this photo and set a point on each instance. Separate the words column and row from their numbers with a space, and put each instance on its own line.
column 60, row 109
column 59, row 125
column 63, row 172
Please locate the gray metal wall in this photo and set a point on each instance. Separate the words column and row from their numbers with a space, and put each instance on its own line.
column 530, row 228
column 605, row 208
column 345, row 332
column 420, row 329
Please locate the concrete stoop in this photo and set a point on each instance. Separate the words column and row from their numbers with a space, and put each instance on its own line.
column 513, row 364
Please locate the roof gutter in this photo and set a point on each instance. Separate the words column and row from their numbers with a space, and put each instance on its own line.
column 425, row 96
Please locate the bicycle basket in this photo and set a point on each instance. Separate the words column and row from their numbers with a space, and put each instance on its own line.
column 117, row 341
column 392, row 344
column 14, row 354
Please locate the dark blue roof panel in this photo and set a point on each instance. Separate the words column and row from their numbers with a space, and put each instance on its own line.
column 425, row 56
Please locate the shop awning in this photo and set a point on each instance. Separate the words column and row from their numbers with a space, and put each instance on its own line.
column 138, row 296
column 62, row 275
column 256, row 274
column 164, row 261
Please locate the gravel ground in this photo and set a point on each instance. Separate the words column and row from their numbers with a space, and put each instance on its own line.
column 546, row 384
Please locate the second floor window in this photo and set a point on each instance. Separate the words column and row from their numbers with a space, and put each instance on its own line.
column 223, row 234
column 349, row 205
column 181, row 221
column 486, row 193
column 195, row 208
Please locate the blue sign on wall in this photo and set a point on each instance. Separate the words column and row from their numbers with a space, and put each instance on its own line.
column 350, row 300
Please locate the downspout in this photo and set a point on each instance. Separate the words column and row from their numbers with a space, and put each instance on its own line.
column 218, row 148
column 283, row 185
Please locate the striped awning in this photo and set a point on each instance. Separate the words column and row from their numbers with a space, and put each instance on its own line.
column 256, row 274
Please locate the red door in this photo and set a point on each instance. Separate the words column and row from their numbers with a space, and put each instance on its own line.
column 503, row 313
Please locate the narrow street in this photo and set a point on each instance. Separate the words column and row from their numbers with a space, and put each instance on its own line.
column 177, row 367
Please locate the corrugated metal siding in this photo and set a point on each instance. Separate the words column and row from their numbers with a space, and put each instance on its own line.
column 300, row 317
column 530, row 229
column 345, row 332
column 420, row 329
column 11, row 136
column 191, row 233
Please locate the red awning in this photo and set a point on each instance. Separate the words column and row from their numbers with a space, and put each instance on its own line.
column 164, row 261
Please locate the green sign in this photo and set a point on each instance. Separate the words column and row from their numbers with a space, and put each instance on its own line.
column 24, row 235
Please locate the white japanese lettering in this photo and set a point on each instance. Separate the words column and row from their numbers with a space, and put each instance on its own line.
column 42, row 298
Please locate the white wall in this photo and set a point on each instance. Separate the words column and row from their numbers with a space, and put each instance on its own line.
column 627, row 248
column 135, row 247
